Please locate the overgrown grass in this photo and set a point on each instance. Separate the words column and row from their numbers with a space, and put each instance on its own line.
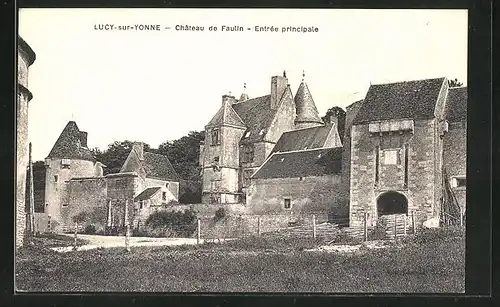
column 436, row 264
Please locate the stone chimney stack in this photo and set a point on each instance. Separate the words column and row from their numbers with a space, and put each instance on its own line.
column 138, row 147
column 278, row 86
column 229, row 98
column 83, row 138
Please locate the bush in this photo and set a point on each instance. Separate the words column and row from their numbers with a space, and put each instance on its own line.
column 173, row 222
column 219, row 214
column 89, row 229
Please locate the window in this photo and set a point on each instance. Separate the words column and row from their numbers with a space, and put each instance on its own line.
column 288, row 203
column 55, row 178
column 216, row 159
column 164, row 196
column 65, row 205
column 390, row 157
column 377, row 161
column 141, row 204
column 248, row 153
column 166, row 185
column 458, row 182
column 215, row 137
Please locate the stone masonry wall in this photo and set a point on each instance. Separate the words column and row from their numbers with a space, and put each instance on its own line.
column 421, row 174
column 309, row 195
column 56, row 185
column 86, row 195
column 23, row 62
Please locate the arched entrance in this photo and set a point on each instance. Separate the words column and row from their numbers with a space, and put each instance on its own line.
column 392, row 203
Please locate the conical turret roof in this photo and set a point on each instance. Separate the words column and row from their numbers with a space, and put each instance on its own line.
column 305, row 106
column 69, row 145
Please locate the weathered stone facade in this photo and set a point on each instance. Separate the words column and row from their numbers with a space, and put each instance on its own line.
column 25, row 58
column 397, row 160
column 75, row 183
column 243, row 133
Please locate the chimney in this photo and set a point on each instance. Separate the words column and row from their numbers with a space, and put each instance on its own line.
column 83, row 138
column 229, row 98
column 278, row 86
column 139, row 149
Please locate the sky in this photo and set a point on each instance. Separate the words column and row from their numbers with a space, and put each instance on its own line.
column 156, row 86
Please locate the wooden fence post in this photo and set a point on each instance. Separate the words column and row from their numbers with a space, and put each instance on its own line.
column 258, row 226
column 365, row 226
column 395, row 226
column 76, row 234
column 314, row 226
column 413, row 221
column 198, row 231
column 127, row 228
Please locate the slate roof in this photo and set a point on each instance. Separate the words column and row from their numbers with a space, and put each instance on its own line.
column 257, row 115
column 147, row 194
column 226, row 115
column 456, row 104
column 68, row 145
column 410, row 99
column 306, row 108
column 159, row 166
column 301, row 139
column 303, row 163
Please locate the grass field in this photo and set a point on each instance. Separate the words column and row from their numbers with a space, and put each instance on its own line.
column 433, row 262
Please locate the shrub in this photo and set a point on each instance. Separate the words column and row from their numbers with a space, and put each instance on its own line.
column 89, row 229
column 429, row 235
column 175, row 222
column 219, row 214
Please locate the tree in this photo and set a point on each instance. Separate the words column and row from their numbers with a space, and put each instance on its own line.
column 115, row 155
column 184, row 154
column 340, row 114
column 454, row 83
column 38, row 185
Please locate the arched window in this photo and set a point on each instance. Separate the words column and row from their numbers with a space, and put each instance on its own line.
column 392, row 203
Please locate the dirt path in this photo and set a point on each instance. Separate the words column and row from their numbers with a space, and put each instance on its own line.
column 96, row 241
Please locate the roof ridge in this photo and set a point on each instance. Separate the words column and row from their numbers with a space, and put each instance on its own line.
column 302, row 150
column 408, row 81
column 250, row 99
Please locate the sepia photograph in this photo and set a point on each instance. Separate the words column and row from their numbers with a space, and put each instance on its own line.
column 241, row 150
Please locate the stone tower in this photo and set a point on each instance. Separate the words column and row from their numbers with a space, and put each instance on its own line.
column 25, row 58
column 307, row 113
column 69, row 158
column 220, row 162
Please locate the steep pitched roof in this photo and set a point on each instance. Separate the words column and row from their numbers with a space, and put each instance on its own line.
column 69, row 144
column 158, row 166
column 309, row 138
column 410, row 99
column 257, row 115
column 147, row 194
column 226, row 115
column 306, row 108
column 456, row 104
column 303, row 163
column 153, row 166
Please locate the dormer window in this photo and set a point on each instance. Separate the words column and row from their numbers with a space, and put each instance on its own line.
column 215, row 137
column 65, row 163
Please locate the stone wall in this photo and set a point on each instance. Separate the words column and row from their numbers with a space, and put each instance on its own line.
column 25, row 58
column 421, row 188
column 86, row 195
column 307, row 195
column 57, row 179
